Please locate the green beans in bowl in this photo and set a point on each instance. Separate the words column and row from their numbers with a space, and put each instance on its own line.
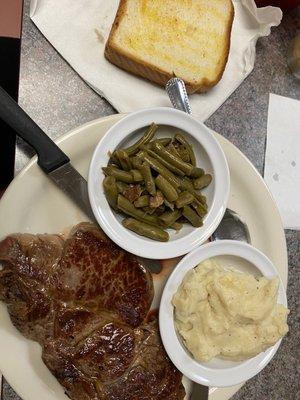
column 158, row 183
column 155, row 183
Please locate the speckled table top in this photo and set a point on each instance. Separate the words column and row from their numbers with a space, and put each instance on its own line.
column 58, row 100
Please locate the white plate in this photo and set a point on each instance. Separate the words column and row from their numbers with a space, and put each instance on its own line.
column 217, row 372
column 32, row 203
column 209, row 155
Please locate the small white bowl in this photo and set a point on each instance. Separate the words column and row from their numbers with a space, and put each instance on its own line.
column 217, row 372
column 209, row 156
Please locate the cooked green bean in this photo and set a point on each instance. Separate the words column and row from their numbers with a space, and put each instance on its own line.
column 149, row 210
column 203, row 181
column 172, row 159
column 200, row 209
column 181, row 151
column 124, row 160
column 148, row 135
column 111, row 190
column 136, row 162
column 169, row 217
column 197, row 172
column 177, row 226
column 167, row 189
column 113, row 159
column 118, row 174
column 192, row 216
column 162, row 170
column 163, row 141
column 186, row 184
column 184, row 199
column 165, row 163
column 181, row 139
column 121, row 186
column 136, row 174
column 142, row 201
column 148, row 178
column 147, row 230
column 129, row 209
column 172, row 149
column 202, row 199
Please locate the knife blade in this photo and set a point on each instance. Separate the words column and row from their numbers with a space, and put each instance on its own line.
column 199, row 392
column 52, row 160
column 69, row 180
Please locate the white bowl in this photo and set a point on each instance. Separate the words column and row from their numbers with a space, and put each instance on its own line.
column 209, row 155
column 217, row 372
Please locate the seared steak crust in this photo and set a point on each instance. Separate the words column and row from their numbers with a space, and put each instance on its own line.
column 85, row 301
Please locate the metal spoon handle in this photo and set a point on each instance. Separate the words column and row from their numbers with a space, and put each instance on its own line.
column 176, row 90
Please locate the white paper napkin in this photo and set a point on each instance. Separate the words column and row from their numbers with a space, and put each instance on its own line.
column 282, row 164
column 79, row 29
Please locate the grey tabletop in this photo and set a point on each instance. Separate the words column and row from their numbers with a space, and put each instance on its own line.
column 58, row 100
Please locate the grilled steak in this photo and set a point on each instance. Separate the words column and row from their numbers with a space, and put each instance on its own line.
column 86, row 302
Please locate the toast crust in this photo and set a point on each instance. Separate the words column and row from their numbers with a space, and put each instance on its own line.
column 151, row 72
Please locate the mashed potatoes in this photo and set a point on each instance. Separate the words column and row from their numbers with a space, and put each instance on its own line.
column 228, row 314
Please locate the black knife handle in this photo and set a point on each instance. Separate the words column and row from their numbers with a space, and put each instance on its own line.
column 49, row 154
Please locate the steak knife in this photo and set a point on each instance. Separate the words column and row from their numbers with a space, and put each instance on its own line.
column 51, row 159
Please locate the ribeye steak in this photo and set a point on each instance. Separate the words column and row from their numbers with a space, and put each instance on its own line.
column 87, row 302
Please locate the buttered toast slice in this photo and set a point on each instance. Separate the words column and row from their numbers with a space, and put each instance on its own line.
column 159, row 39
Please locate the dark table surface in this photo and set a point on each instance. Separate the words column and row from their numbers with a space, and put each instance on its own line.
column 58, row 100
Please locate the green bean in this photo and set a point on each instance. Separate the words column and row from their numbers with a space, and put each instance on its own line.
column 169, row 204
column 113, row 159
column 163, row 141
column 186, row 184
column 142, row 201
column 136, row 174
column 182, row 152
column 172, row 149
column 184, row 199
column 165, row 163
column 177, row 226
column 136, row 162
column 200, row 209
column 169, row 217
column 201, row 199
column 172, row 159
column 148, row 135
column 121, row 186
column 124, row 160
column 167, row 189
column 192, row 216
column 162, row 170
column 197, row 172
column 118, row 174
column 148, row 178
column 147, row 230
column 110, row 190
column 149, row 210
column 129, row 209
column 181, row 139
column 203, row 181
